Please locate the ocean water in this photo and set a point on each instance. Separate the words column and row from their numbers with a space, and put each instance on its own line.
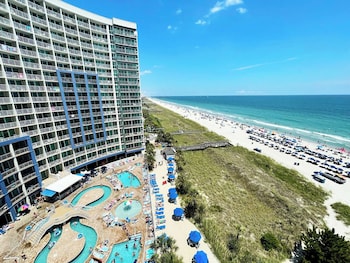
column 323, row 119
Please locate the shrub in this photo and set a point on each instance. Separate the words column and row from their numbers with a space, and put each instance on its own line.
column 269, row 241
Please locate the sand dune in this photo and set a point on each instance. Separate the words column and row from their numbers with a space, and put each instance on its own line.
column 237, row 134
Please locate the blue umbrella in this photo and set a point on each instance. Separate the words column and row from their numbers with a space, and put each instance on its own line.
column 195, row 236
column 171, row 190
column 200, row 257
column 171, row 169
column 171, row 176
column 173, row 195
column 178, row 212
column 170, row 164
column 170, row 158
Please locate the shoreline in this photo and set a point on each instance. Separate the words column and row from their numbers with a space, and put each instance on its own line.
column 237, row 135
column 330, row 141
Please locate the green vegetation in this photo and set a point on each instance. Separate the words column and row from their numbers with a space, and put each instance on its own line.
column 324, row 246
column 343, row 212
column 235, row 196
column 269, row 241
column 165, row 248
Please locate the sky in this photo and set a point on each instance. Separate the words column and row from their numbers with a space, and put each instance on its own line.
column 237, row 47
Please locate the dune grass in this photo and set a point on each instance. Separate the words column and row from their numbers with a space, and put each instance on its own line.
column 245, row 194
column 343, row 212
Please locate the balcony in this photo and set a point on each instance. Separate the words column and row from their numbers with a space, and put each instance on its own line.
column 7, row 35
column 22, row 166
column 36, row 6
column 13, row 62
column 25, row 40
column 19, row 13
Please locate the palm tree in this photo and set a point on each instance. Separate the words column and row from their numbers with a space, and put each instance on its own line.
column 166, row 248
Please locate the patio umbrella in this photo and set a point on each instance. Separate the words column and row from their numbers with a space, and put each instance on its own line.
column 23, row 208
column 178, row 212
column 171, row 190
column 171, row 177
column 200, row 257
column 195, row 236
column 173, row 195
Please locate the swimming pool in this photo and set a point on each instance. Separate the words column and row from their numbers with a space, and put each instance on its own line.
column 107, row 192
column 125, row 252
column 90, row 236
column 128, row 179
column 128, row 209
column 42, row 256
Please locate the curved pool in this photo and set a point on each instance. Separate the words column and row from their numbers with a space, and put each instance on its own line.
column 128, row 209
column 128, row 179
column 42, row 256
column 106, row 189
column 90, row 236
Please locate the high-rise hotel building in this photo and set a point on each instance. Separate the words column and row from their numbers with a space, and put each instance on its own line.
column 69, row 94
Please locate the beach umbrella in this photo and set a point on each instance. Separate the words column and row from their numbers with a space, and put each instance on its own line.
column 23, row 208
column 171, row 190
column 170, row 169
column 195, row 236
column 173, row 195
column 170, row 158
column 178, row 212
column 171, row 177
column 170, row 164
column 200, row 257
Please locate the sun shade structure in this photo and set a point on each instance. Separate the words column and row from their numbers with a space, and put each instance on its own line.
column 200, row 257
column 178, row 212
column 171, row 177
column 195, row 236
column 23, row 208
column 62, row 187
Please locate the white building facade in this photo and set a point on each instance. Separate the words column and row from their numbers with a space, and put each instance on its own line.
column 69, row 95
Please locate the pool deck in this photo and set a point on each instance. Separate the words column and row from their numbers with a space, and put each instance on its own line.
column 69, row 246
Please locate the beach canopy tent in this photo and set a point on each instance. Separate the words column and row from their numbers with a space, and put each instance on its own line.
column 63, row 186
column 178, row 212
column 200, row 257
column 195, row 236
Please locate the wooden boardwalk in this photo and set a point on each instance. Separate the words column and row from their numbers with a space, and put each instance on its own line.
column 203, row 146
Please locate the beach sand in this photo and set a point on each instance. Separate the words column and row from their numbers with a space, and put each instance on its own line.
column 178, row 230
column 236, row 133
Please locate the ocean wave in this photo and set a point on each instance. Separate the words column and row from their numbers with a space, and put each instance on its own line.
column 335, row 137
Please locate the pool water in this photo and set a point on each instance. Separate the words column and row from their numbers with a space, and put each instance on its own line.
column 42, row 256
column 128, row 209
column 125, row 252
column 128, row 179
column 90, row 236
column 107, row 192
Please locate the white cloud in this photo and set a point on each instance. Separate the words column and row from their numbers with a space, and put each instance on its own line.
column 169, row 27
column 241, row 10
column 201, row 22
column 250, row 66
column 221, row 5
column 178, row 11
column 265, row 64
column 145, row 72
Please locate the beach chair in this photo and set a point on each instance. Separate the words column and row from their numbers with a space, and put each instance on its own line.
column 159, row 213
column 160, row 227
column 160, row 216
